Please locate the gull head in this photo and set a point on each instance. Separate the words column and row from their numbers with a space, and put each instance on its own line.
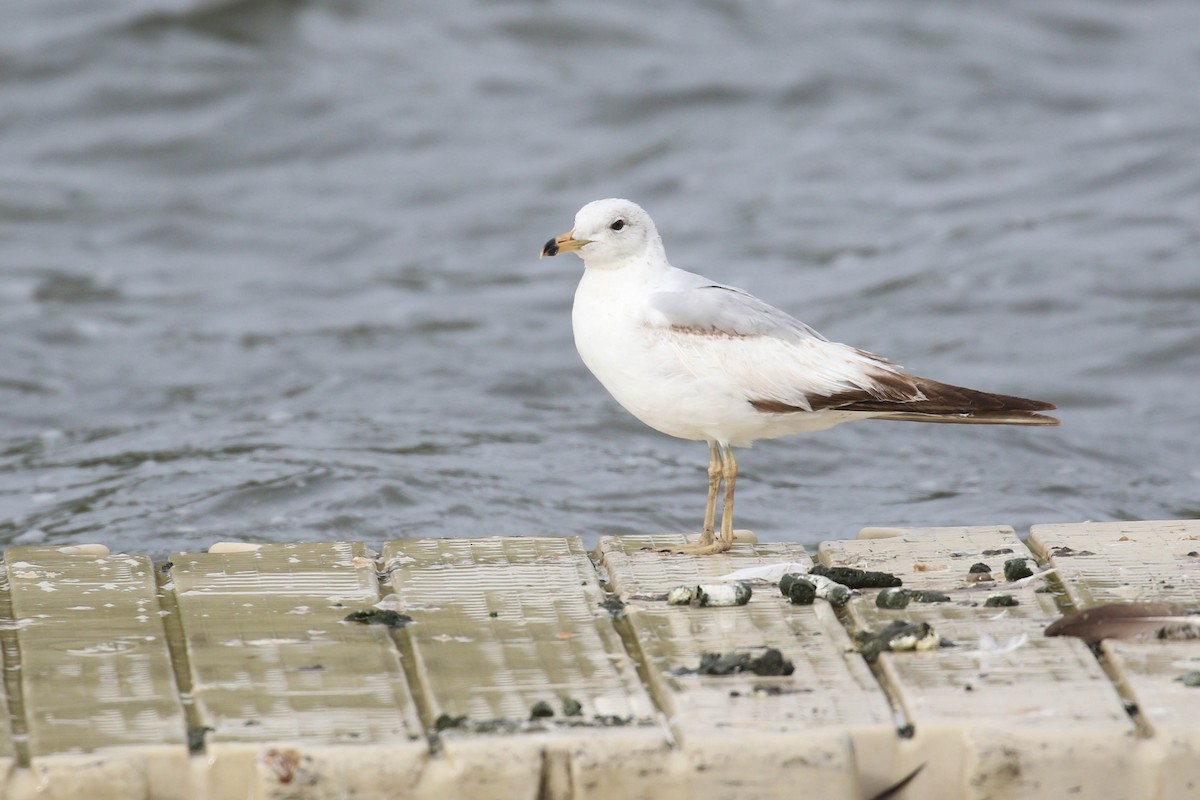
column 609, row 234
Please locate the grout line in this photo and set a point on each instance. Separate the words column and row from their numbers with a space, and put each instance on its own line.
column 905, row 727
column 1065, row 605
column 633, row 651
column 177, row 649
column 18, row 724
column 1128, row 698
column 414, row 673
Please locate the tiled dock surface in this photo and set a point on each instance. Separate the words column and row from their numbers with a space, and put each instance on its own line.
column 233, row 675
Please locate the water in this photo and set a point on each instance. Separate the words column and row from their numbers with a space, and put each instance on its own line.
column 268, row 269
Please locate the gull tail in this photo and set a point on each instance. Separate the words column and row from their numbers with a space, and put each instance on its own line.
column 977, row 418
column 943, row 402
column 946, row 403
column 895, row 395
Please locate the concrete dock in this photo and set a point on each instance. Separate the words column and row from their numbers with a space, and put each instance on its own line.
column 529, row 668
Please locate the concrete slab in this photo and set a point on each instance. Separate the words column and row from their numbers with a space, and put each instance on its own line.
column 1005, row 712
column 280, row 681
column 98, row 688
column 826, row 727
column 111, row 667
column 502, row 625
column 1124, row 562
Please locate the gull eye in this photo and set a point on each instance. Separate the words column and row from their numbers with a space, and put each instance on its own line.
column 616, row 226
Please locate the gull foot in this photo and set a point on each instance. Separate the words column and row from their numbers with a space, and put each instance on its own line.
column 703, row 548
column 699, row 548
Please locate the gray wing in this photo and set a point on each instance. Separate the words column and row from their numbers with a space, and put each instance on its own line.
column 777, row 363
column 782, row 366
column 712, row 308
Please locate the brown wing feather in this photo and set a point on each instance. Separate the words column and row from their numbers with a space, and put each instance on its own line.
column 1125, row 620
column 907, row 397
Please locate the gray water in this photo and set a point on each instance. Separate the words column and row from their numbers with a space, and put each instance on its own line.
column 268, row 269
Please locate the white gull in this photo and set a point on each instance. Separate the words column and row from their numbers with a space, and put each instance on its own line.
column 698, row 360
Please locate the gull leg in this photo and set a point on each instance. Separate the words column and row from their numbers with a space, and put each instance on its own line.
column 722, row 466
column 730, row 475
column 708, row 534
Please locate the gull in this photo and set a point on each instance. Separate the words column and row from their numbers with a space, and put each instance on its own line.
column 698, row 360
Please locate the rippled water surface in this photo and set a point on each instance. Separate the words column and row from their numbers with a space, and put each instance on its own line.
column 268, row 269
